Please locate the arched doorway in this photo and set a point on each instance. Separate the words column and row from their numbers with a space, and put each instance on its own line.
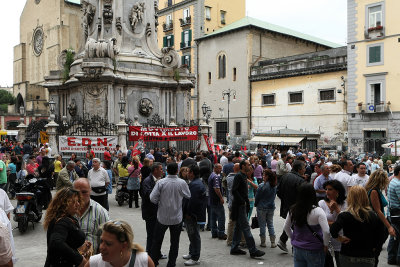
column 19, row 103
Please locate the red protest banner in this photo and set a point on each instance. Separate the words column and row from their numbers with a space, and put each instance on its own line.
column 210, row 143
column 152, row 134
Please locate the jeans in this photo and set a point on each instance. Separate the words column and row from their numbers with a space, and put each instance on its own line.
column 217, row 214
column 150, row 227
column 265, row 217
column 308, row 258
column 393, row 250
column 242, row 226
column 192, row 229
column 158, row 237
column 346, row 261
column 133, row 194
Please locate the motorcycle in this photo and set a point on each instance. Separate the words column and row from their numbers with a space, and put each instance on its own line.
column 30, row 203
column 122, row 193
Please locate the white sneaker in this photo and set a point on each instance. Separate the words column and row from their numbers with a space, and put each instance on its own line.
column 191, row 262
column 187, row 257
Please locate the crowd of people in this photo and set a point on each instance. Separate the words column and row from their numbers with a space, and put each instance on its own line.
column 336, row 211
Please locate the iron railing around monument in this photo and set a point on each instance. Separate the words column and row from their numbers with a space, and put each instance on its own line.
column 33, row 131
column 85, row 126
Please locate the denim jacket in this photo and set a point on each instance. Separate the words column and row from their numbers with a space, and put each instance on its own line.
column 265, row 196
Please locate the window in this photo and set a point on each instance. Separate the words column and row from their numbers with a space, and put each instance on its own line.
column 296, row 97
column 208, row 13
column 221, row 66
column 186, row 13
column 223, row 15
column 268, row 100
column 373, row 141
column 234, row 74
column 238, row 128
column 375, row 54
column 169, row 20
column 209, row 78
column 375, row 93
column 169, row 2
column 186, row 38
column 222, row 130
column 327, row 95
column 186, row 60
column 169, row 41
column 374, row 16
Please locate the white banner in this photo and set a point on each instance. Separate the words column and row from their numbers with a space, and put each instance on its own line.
column 80, row 143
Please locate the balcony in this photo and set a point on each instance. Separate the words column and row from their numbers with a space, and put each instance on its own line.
column 375, row 32
column 186, row 21
column 168, row 26
column 374, row 108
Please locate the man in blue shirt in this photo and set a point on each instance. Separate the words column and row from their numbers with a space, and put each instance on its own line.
column 217, row 203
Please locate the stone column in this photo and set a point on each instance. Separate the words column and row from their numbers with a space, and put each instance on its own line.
column 172, row 124
column 122, row 133
column 51, row 129
column 203, row 130
column 22, row 130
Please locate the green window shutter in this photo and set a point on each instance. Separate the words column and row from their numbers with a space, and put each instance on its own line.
column 172, row 40
column 190, row 37
column 182, row 59
column 189, row 62
column 165, row 41
column 374, row 54
column 182, row 39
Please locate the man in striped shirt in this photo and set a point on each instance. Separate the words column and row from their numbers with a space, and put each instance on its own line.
column 92, row 214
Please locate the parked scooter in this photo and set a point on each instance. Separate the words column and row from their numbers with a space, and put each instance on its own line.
column 30, row 202
column 122, row 193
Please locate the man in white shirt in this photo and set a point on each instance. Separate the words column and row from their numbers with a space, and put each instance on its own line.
column 361, row 178
column 5, row 203
column 344, row 176
column 224, row 159
column 99, row 180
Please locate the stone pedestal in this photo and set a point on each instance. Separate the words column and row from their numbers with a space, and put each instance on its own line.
column 204, row 127
column 51, row 129
column 122, row 134
column 22, row 130
column 172, row 124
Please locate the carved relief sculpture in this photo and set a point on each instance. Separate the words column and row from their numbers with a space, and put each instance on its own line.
column 88, row 15
column 145, row 107
column 156, row 15
column 38, row 41
column 136, row 16
column 107, row 14
column 101, row 48
column 118, row 24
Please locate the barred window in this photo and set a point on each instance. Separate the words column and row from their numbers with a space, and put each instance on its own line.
column 327, row 95
column 268, row 99
column 295, row 97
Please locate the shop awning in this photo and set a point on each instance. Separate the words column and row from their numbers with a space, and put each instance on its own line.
column 391, row 145
column 276, row 140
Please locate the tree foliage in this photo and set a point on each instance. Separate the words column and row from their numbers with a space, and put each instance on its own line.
column 69, row 59
column 6, row 98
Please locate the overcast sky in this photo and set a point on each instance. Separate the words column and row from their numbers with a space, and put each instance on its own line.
column 325, row 19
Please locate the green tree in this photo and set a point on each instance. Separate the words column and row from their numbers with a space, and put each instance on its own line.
column 6, row 98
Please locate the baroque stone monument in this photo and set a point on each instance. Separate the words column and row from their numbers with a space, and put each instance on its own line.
column 120, row 59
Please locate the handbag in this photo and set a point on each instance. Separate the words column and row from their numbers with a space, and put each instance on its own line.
column 254, row 222
column 331, row 250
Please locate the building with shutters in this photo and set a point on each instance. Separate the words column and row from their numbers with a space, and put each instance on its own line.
column 47, row 29
column 373, row 74
column 226, row 58
column 183, row 21
column 305, row 93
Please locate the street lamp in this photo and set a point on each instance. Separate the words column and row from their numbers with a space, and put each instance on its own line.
column 228, row 93
column 207, row 114
column 52, row 106
column 122, row 104
column 22, row 110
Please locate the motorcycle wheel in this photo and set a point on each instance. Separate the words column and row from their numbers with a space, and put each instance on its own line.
column 120, row 202
column 23, row 225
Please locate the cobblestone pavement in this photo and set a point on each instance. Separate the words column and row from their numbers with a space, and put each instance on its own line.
column 31, row 246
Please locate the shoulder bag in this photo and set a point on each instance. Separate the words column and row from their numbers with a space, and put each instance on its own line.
column 330, row 247
column 254, row 222
column 133, row 258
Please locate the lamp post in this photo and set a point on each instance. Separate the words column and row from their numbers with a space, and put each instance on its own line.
column 207, row 114
column 51, row 128
column 228, row 93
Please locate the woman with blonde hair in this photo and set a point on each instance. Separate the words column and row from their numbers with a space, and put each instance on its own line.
column 362, row 230
column 378, row 182
column 335, row 169
column 183, row 174
column 118, row 249
column 65, row 240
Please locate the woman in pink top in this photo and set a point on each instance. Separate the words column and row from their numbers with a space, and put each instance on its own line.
column 274, row 162
column 134, row 182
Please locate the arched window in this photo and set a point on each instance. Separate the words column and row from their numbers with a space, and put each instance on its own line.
column 222, row 66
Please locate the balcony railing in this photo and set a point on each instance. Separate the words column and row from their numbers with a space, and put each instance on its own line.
column 168, row 26
column 186, row 21
column 374, row 108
